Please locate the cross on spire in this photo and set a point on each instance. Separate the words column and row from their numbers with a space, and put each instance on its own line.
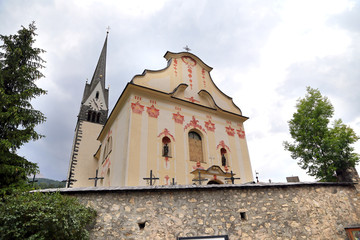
column 199, row 180
column 108, row 29
column 232, row 178
column 151, row 178
column 96, row 178
column 187, row 48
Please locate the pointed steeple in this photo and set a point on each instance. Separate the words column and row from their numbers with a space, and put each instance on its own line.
column 96, row 91
column 99, row 74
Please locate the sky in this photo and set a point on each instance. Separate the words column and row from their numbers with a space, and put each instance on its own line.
column 264, row 54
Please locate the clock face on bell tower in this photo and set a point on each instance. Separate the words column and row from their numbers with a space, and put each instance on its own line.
column 96, row 104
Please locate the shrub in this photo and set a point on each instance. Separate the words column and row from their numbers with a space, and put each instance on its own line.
column 44, row 216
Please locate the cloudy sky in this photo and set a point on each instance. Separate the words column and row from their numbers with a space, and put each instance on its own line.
column 263, row 54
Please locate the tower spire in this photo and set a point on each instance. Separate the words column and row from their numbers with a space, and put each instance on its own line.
column 99, row 74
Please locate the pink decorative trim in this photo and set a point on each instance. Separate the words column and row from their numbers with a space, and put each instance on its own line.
column 167, row 179
column 167, row 133
column 203, row 77
column 109, row 133
column 105, row 167
column 175, row 67
column 192, row 99
column 198, row 166
column 210, row 126
column 152, row 111
column 223, row 145
column 137, row 107
column 178, row 118
column 230, row 131
column 166, row 161
column 194, row 123
column 241, row 133
column 190, row 63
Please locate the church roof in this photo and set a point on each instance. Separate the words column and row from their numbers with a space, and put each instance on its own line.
column 154, row 82
column 100, row 70
column 98, row 76
column 169, row 55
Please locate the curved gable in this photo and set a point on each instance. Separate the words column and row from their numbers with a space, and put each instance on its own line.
column 187, row 77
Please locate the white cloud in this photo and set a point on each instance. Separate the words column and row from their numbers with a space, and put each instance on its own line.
column 263, row 53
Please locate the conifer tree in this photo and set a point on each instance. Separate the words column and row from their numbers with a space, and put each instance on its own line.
column 20, row 65
column 325, row 152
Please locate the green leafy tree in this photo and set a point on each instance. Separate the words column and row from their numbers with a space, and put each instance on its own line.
column 20, row 65
column 25, row 215
column 44, row 216
column 325, row 152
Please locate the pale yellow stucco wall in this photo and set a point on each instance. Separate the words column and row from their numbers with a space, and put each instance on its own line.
column 144, row 135
column 146, row 112
column 86, row 163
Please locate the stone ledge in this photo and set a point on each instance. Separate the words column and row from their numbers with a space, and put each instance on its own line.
column 194, row 187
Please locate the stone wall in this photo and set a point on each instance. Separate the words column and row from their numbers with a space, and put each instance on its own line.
column 249, row 211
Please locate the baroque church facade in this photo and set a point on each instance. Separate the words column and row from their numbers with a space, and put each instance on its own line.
column 170, row 126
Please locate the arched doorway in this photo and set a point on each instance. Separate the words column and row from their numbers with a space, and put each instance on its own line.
column 213, row 181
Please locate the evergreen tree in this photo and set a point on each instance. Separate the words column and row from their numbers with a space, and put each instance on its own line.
column 20, row 65
column 324, row 152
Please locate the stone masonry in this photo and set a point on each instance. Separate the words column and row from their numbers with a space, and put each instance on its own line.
column 247, row 211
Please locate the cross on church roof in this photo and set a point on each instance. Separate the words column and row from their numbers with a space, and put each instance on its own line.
column 151, row 178
column 107, row 30
column 199, row 180
column 96, row 178
column 187, row 48
column 232, row 178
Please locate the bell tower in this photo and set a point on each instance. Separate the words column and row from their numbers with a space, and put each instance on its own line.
column 94, row 104
column 92, row 117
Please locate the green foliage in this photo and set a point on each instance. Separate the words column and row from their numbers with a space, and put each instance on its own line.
column 25, row 215
column 19, row 68
column 44, row 216
column 45, row 183
column 320, row 149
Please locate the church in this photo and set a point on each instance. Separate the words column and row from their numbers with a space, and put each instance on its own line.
column 171, row 161
column 172, row 126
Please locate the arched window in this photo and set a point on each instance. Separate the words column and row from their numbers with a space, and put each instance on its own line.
column 89, row 116
column 223, row 157
column 93, row 116
column 166, row 147
column 195, row 147
column 105, row 153
column 214, row 182
column 107, row 148
column 97, row 95
column 98, row 117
